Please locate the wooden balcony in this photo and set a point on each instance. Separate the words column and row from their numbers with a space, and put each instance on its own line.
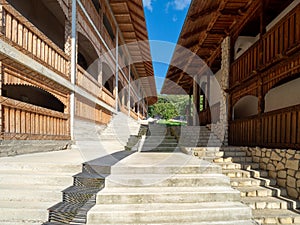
column 23, row 121
column 92, row 86
column 277, row 44
column 276, row 129
column 20, row 33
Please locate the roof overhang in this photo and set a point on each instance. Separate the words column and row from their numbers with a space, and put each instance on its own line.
column 207, row 23
column 131, row 21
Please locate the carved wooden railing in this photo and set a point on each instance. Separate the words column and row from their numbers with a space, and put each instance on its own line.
column 280, row 128
column 25, row 121
column 23, row 35
column 280, row 41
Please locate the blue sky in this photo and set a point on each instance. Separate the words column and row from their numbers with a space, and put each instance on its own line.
column 164, row 20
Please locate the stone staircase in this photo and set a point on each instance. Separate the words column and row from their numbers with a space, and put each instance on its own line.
column 166, row 188
column 191, row 136
column 29, row 184
column 159, row 139
column 268, row 204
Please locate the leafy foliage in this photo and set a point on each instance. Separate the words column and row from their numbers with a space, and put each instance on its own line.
column 169, row 106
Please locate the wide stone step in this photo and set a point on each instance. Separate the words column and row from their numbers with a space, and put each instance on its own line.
column 237, row 173
column 264, row 203
column 229, row 165
column 19, row 194
column 165, row 180
column 242, row 182
column 34, row 212
column 160, row 149
column 174, row 195
column 234, row 153
column 36, row 178
column 163, row 144
column 167, row 213
column 275, row 216
column 204, row 168
column 39, row 167
column 255, row 192
column 236, row 222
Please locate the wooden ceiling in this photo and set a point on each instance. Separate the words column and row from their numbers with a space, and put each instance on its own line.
column 131, row 20
column 208, row 22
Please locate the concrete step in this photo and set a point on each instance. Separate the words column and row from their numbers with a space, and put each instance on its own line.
column 39, row 167
column 254, row 191
column 160, row 149
column 235, row 222
column 264, row 203
column 167, row 213
column 163, row 144
column 24, row 212
column 275, row 216
column 52, row 179
column 20, row 193
column 147, row 195
column 203, row 168
column 165, row 180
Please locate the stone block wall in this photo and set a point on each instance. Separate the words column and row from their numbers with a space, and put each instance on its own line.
column 282, row 165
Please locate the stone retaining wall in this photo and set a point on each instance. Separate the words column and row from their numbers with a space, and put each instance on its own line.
column 282, row 165
column 19, row 147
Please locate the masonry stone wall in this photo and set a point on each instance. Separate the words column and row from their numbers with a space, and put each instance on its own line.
column 282, row 165
column 221, row 128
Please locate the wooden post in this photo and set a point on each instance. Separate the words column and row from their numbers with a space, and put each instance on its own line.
column 261, row 110
column 196, row 98
column 117, row 70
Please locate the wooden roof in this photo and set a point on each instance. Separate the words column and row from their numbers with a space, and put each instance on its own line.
column 207, row 23
column 131, row 20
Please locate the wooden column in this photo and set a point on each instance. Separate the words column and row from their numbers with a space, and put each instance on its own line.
column 261, row 110
column 196, row 98
column 263, row 23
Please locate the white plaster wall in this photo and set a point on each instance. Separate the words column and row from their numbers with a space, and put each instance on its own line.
column 283, row 96
column 245, row 107
column 243, row 43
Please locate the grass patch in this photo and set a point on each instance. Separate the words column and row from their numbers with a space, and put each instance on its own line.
column 171, row 123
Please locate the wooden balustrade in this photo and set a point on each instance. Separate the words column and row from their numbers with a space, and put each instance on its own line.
column 280, row 41
column 282, row 38
column 246, row 64
column 280, row 128
column 108, row 97
column 25, row 121
column 26, row 37
column 87, row 82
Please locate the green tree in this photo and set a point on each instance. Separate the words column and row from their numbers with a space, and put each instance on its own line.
column 169, row 106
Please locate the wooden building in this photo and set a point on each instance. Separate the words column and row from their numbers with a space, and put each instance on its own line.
column 64, row 59
column 252, row 50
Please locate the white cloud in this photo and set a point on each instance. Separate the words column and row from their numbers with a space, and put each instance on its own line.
column 178, row 4
column 174, row 18
column 148, row 4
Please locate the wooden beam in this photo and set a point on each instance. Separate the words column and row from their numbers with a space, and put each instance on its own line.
column 201, row 14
